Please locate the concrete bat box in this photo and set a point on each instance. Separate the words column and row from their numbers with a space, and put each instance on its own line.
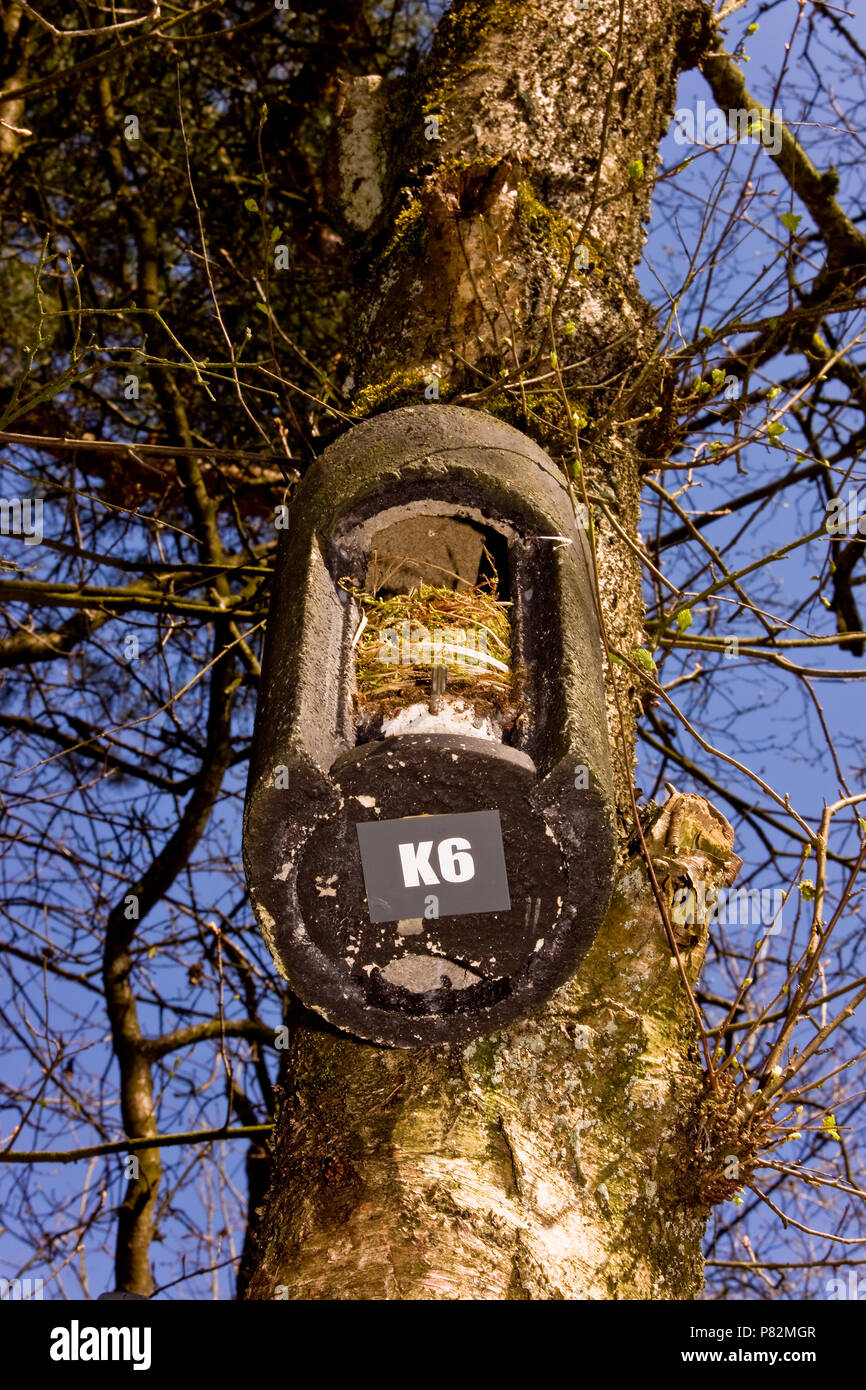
column 430, row 863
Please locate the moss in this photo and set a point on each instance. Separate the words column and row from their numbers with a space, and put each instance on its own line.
column 544, row 418
column 546, row 228
column 435, row 99
column 314, row 1081
column 401, row 387
column 464, row 27
column 556, row 234
column 481, row 1057
column 407, row 232
column 459, row 35
column 621, row 1061
column 460, row 173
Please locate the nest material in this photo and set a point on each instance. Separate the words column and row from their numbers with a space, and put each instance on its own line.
column 731, row 1140
column 402, row 636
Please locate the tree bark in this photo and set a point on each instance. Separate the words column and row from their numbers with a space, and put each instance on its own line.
column 554, row 1159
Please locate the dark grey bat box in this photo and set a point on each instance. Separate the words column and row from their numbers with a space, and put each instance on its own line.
column 436, row 872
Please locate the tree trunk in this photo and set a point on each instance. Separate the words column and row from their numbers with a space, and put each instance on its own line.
column 554, row 1159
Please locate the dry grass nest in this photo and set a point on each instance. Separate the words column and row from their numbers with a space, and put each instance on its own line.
column 468, row 631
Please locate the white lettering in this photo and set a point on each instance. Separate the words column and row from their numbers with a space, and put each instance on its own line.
column 455, row 865
column 416, row 864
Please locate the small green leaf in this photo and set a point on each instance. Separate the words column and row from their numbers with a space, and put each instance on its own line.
column 774, row 322
column 644, row 659
column 831, row 1128
column 635, row 169
column 807, row 890
column 251, row 205
column 753, row 28
column 773, row 392
column 776, row 427
column 276, row 233
column 262, row 308
column 684, row 619
column 707, row 331
column 554, row 360
column 791, row 220
column 718, row 376
column 569, row 328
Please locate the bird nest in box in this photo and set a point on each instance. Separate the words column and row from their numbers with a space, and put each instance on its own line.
column 402, row 638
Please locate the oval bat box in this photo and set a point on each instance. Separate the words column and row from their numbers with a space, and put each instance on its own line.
column 430, row 863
